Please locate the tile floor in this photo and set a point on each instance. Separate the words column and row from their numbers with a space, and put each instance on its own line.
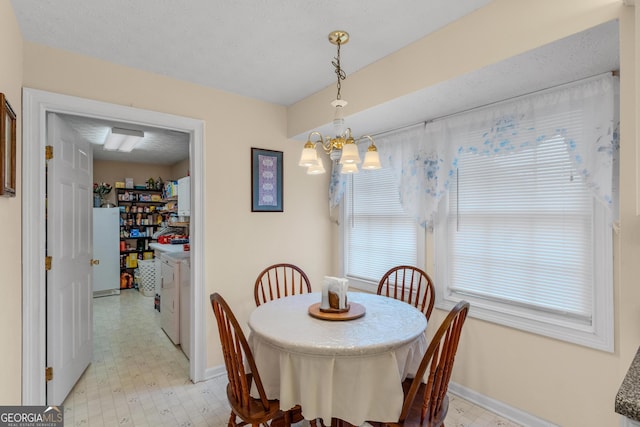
column 139, row 378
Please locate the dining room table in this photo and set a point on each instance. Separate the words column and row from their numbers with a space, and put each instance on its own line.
column 338, row 366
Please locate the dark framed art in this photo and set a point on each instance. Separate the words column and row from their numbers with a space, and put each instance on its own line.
column 7, row 148
column 266, row 180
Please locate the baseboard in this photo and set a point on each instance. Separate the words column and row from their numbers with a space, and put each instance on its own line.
column 106, row 293
column 500, row 408
column 214, row 372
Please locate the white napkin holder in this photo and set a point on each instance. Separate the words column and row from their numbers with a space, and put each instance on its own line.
column 334, row 294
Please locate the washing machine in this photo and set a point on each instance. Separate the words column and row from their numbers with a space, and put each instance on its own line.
column 170, row 294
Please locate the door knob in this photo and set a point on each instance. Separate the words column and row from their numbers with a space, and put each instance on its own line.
column 94, row 261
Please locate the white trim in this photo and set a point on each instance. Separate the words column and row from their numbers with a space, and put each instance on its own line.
column 514, row 414
column 214, row 372
column 36, row 104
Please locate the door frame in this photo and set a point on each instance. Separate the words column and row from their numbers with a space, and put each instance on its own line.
column 36, row 104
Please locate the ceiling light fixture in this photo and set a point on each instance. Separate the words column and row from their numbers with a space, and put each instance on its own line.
column 119, row 139
column 342, row 146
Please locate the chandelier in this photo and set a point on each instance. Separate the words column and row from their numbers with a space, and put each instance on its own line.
column 342, row 146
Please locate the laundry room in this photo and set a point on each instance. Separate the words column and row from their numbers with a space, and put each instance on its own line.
column 141, row 221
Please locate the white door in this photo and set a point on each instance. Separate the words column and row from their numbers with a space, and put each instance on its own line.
column 69, row 243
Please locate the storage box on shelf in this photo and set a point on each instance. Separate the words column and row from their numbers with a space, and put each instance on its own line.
column 170, row 189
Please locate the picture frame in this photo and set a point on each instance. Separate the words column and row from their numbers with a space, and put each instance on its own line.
column 266, row 180
column 7, row 148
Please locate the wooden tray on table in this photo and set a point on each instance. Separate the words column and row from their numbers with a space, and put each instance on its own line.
column 355, row 311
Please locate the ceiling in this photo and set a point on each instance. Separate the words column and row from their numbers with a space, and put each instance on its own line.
column 159, row 146
column 278, row 52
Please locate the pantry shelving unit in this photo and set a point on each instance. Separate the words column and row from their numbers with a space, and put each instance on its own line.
column 140, row 216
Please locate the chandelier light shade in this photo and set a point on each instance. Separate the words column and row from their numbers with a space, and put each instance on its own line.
column 309, row 156
column 341, row 147
column 349, row 168
column 371, row 159
column 349, row 154
column 125, row 140
column 316, row 168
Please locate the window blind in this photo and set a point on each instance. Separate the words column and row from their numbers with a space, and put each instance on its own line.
column 378, row 234
column 521, row 229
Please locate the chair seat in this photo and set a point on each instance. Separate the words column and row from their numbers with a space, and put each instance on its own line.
column 255, row 412
column 295, row 414
column 413, row 418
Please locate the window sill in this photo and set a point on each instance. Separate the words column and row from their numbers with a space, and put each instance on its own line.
column 598, row 336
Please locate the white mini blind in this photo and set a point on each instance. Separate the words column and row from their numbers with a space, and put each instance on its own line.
column 520, row 229
column 378, row 234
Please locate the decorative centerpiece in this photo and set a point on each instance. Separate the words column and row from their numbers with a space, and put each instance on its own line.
column 333, row 304
column 334, row 295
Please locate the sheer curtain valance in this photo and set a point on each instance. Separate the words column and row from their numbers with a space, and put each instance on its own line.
column 424, row 158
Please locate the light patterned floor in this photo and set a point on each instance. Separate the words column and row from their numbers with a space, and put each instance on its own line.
column 139, row 378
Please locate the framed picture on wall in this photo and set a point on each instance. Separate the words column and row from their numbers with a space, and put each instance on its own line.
column 266, row 180
column 7, row 148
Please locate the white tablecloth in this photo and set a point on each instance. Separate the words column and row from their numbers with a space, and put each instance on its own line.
column 350, row 370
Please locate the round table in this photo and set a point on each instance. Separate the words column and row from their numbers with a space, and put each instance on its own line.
column 351, row 370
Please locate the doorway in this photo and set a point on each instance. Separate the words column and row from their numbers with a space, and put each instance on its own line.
column 36, row 105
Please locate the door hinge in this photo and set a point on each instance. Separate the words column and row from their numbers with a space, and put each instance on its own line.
column 47, row 263
column 48, row 373
column 48, row 152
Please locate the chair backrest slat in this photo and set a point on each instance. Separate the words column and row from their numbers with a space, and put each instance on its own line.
column 279, row 280
column 236, row 353
column 439, row 359
column 411, row 285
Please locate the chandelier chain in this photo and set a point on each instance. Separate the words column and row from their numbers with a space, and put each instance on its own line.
column 340, row 74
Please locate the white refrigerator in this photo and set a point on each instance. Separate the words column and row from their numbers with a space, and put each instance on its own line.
column 106, row 249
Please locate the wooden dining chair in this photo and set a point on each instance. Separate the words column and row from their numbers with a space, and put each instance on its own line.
column 280, row 280
column 426, row 404
column 411, row 285
column 237, row 355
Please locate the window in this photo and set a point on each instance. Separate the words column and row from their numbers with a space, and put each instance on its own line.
column 521, row 195
column 522, row 238
column 377, row 234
